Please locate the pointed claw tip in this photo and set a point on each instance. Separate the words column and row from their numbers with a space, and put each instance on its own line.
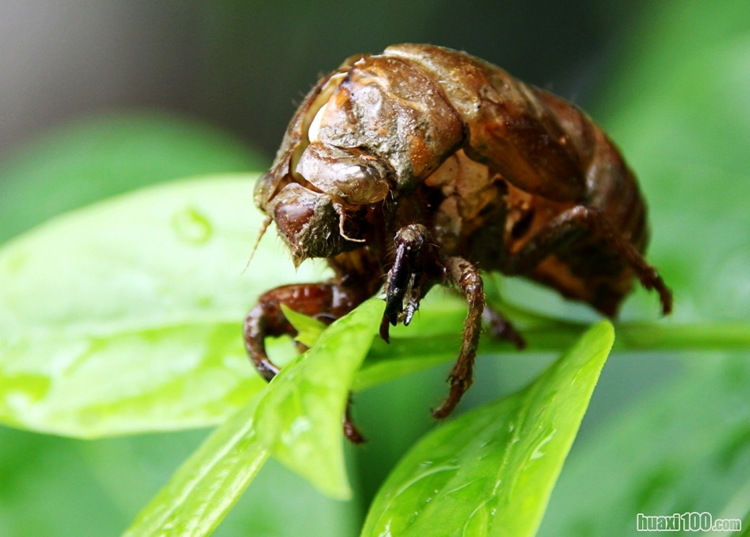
column 440, row 412
column 384, row 326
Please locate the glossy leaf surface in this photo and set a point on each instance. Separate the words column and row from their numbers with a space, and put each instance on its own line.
column 300, row 415
column 208, row 484
column 126, row 316
column 490, row 472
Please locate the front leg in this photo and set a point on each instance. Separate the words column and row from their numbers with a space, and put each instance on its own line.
column 417, row 267
column 414, row 271
column 326, row 301
column 266, row 318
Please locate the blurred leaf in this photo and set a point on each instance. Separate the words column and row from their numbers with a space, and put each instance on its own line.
column 94, row 158
column 208, row 484
column 126, row 316
column 491, row 471
column 300, row 414
column 688, row 449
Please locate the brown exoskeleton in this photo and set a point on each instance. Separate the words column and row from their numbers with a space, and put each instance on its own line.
column 423, row 166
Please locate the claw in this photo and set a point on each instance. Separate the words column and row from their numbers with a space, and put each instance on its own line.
column 384, row 326
column 406, row 283
column 411, row 308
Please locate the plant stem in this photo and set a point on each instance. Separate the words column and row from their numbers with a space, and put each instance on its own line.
column 407, row 354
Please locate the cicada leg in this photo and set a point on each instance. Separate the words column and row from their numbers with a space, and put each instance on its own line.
column 466, row 276
column 502, row 328
column 558, row 233
column 324, row 300
column 417, row 266
column 415, row 270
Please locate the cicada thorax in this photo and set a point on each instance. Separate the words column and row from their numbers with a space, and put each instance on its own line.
column 546, row 157
column 467, row 197
column 505, row 124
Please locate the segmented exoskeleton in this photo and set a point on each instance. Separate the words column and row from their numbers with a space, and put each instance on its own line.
column 424, row 166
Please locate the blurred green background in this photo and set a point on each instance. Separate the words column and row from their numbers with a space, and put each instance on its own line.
column 98, row 98
column 241, row 65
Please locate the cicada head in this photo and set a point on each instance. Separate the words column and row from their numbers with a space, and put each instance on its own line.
column 370, row 132
column 319, row 209
column 317, row 191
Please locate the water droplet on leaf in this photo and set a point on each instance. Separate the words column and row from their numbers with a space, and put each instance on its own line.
column 192, row 226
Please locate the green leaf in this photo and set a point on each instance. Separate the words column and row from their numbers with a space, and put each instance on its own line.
column 688, row 449
column 203, row 490
column 308, row 329
column 491, row 471
column 208, row 484
column 299, row 416
column 96, row 157
column 126, row 316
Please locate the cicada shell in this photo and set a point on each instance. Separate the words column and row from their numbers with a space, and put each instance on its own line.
column 422, row 166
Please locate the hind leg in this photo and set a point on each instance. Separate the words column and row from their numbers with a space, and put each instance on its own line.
column 564, row 228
